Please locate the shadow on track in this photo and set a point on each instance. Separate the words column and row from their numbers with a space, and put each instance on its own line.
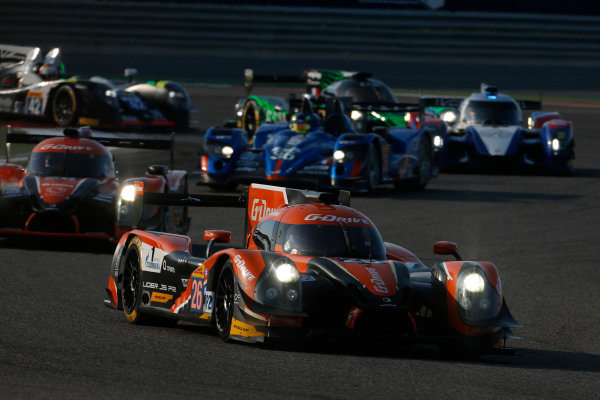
column 77, row 245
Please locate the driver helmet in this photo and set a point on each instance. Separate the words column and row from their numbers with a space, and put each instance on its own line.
column 48, row 72
column 304, row 123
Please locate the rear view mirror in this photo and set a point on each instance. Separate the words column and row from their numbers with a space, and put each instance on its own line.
column 446, row 248
column 213, row 237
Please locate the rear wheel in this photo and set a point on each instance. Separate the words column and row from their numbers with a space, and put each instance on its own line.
column 224, row 301
column 64, row 106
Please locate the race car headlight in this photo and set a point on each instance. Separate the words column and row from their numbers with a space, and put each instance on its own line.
column 474, row 282
column 279, row 285
column 227, row 151
column 448, row 116
column 287, row 273
column 338, row 155
column 356, row 115
column 111, row 97
column 555, row 144
column 128, row 193
column 530, row 123
column 477, row 300
column 438, row 142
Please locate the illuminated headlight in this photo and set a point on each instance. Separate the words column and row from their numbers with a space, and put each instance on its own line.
column 530, row 123
column 474, row 283
column 407, row 117
column 128, row 193
column 227, row 151
column 110, row 93
column 287, row 273
column 438, row 141
column 355, row 115
column 338, row 155
column 448, row 116
column 555, row 144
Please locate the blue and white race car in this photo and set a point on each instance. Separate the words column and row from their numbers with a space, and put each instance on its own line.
column 485, row 129
column 317, row 152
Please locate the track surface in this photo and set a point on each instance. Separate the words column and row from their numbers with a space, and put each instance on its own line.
column 57, row 340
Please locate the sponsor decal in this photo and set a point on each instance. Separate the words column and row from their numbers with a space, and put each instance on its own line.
column 335, row 218
column 241, row 265
column 352, row 316
column 209, row 301
column 139, row 188
column 150, row 265
column 200, row 272
column 158, row 297
column 260, row 209
column 167, row 268
column 377, row 281
column 184, row 282
column 65, row 147
column 159, row 286
column 240, row 328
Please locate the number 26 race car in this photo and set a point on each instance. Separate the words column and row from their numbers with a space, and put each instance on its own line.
column 311, row 267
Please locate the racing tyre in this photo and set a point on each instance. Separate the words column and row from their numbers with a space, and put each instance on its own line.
column 373, row 169
column 224, row 301
column 64, row 106
column 250, row 118
column 131, row 294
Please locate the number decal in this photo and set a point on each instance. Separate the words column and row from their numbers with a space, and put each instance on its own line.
column 33, row 106
column 197, row 294
column 209, row 304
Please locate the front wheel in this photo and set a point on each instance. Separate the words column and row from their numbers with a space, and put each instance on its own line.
column 64, row 106
column 250, row 117
column 224, row 301
column 131, row 294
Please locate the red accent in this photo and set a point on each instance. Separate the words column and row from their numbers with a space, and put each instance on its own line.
column 204, row 164
column 398, row 253
column 112, row 291
column 166, row 242
column 163, row 123
column 276, row 178
column 219, row 236
column 139, row 188
column 444, row 248
column 11, row 173
column 541, row 120
column 125, row 123
column 278, row 320
column 412, row 320
column 356, row 168
column 353, row 315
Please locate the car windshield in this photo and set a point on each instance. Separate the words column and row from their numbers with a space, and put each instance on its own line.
column 492, row 113
column 336, row 240
column 78, row 165
column 363, row 91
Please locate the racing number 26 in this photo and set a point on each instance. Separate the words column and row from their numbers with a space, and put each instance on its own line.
column 197, row 294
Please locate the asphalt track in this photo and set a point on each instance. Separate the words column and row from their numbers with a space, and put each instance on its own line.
column 57, row 339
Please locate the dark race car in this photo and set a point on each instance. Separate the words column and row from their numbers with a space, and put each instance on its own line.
column 35, row 88
column 322, row 152
column 311, row 266
column 485, row 129
column 373, row 102
column 70, row 188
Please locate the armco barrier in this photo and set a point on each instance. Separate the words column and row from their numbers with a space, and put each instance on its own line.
column 89, row 26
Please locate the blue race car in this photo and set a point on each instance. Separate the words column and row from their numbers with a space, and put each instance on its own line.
column 485, row 129
column 320, row 152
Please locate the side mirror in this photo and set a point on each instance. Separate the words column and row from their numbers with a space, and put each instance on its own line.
column 130, row 73
column 213, row 237
column 446, row 248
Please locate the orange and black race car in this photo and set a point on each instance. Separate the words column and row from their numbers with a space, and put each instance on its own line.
column 70, row 188
column 311, row 266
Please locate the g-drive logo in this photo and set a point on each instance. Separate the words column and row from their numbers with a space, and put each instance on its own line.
column 260, row 209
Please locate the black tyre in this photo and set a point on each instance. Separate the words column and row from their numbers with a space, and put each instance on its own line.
column 64, row 106
column 132, row 283
column 250, row 117
column 224, row 301
column 373, row 169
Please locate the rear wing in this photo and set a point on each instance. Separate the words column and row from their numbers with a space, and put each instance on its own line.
column 315, row 79
column 529, row 104
column 110, row 139
column 258, row 200
column 450, row 102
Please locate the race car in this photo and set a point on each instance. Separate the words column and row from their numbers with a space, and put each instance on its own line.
column 325, row 153
column 35, row 88
column 485, row 129
column 375, row 102
column 311, row 267
column 70, row 188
